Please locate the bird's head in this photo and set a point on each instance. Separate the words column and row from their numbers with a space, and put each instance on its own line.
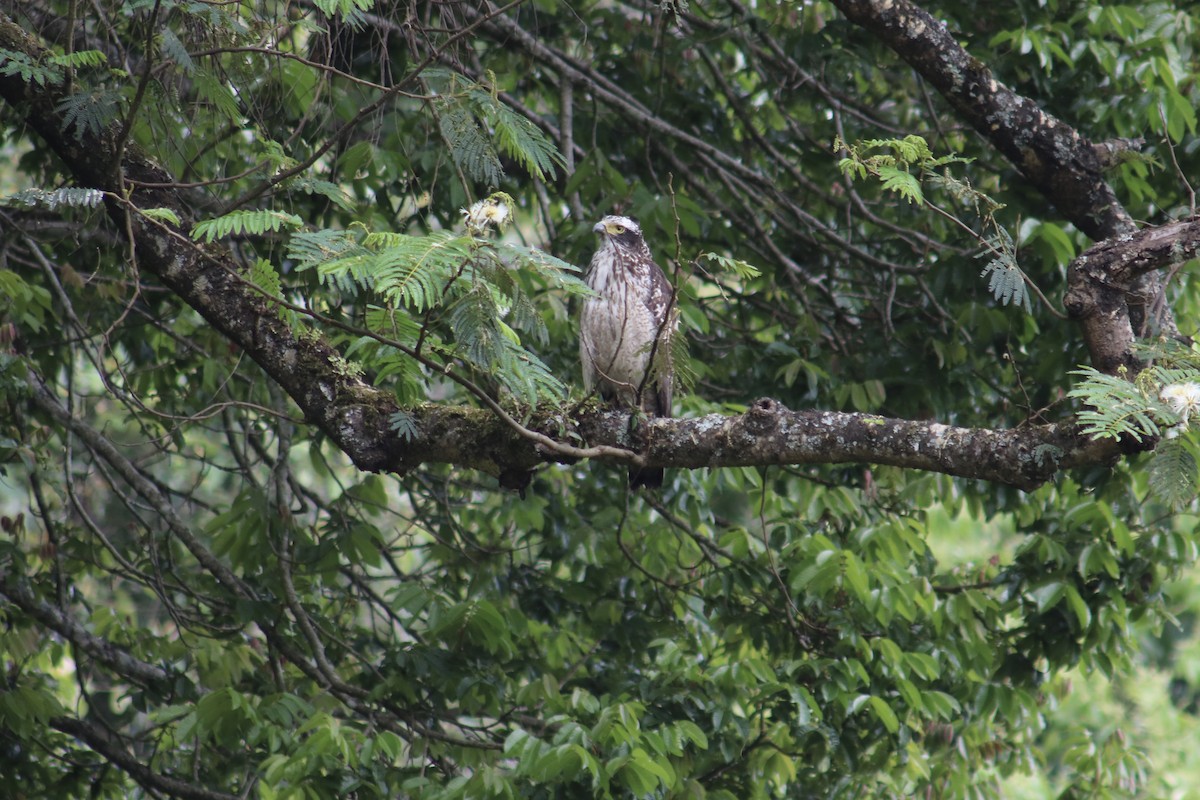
column 619, row 230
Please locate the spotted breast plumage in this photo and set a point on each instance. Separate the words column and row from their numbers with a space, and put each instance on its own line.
column 626, row 327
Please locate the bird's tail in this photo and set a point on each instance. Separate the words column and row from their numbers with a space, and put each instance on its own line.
column 651, row 478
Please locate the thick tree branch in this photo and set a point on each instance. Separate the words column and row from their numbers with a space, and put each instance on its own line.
column 768, row 433
column 1122, row 260
column 1050, row 154
column 1100, row 280
column 355, row 415
column 1063, row 165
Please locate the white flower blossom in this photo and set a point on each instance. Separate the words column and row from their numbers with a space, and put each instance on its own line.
column 1183, row 398
column 492, row 212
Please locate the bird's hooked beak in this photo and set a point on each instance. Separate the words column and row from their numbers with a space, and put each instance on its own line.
column 598, row 227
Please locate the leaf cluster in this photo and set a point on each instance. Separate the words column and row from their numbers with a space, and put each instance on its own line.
column 447, row 297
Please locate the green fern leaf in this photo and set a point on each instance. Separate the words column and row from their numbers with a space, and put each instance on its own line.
column 469, row 147
column 176, row 51
column 80, row 59
column 218, row 94
column 1006, row 280
column 161, row 215
column 902, row 183
column 254, row 222
column 519, row 138
column 404, row 424
column 14, row 62
column 741, row 269
column 682, row 366
column 263, row 275
column 523, row 315
column 324, row 188
column 72, row 196
column 414, row 269
column 473, row 318
column 350, row 10
column 490, row 347
column 1117, row 407
column 394, row 323
column 561, row 273
column 1172, row 473
column 311, row 249
column 89, row 112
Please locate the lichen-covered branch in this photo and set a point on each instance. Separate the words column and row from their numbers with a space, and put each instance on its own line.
column 355, row 415
column 1100, row 280
column 1050, row 154
column 1054, row 157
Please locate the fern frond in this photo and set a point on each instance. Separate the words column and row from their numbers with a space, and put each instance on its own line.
column 413, row 270
column 518, row 138
column 351, row 271
column 394, row 323
column 517, row 257
column 1172, row 473
column 326, row 189
column 263, row 275
column 530, row 379
column 902, row 183
column 402, row 374
column 681, row 364
column 176, row 51
column 166, row 215
column 349, row 10
column 1006, row 280
column 404, row 424
column 90, row 112
column 14, row 62
column 469, row 147
column 80, row 59
column 380, row 240
column 253, row 222
column 523, row 315
column 740, row 268
column 490, row 346
column 310, row 249
column 474, row 318
column 72, row 196
column 1118, row 407
column 218, row 94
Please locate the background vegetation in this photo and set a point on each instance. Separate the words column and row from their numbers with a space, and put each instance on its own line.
column 208, row 591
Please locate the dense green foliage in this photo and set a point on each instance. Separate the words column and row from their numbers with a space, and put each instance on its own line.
column 749, row 632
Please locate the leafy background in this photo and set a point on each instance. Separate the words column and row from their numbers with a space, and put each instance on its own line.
column 832, row 631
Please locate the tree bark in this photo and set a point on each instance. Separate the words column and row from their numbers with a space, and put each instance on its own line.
column 1050, row 154
column 356, row 415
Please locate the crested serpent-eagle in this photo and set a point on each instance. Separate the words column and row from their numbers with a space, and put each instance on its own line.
column 626, row 328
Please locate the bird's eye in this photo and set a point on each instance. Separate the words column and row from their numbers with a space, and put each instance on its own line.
column 616, row 230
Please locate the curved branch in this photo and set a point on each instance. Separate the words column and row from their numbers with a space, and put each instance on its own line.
column 18, row 592
column 1050, row 154
column 110, row 748
column 1063, row 165
column 1100, row 280
column 356, row 415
